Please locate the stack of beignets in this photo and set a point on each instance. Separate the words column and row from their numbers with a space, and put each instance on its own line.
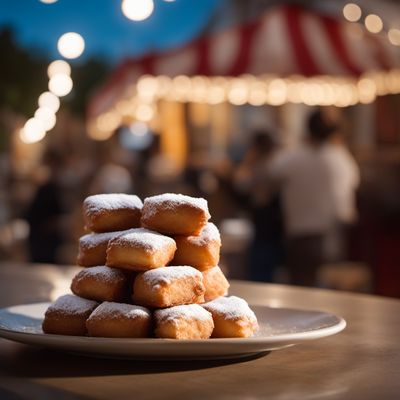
column 151, row 269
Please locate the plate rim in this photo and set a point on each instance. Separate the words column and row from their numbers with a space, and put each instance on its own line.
column 294, row 338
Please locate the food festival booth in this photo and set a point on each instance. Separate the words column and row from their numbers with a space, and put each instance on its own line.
column 288, row 56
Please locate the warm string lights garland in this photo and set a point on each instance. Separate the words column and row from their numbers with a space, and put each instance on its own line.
column 246, row 89
column 373, row 23
column 70, row 45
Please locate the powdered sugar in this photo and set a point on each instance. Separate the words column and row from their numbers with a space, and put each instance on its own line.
column 120, row 310
column 145, row 238
column 112, row 201
column 189, row 311
column 92, row 240
column 71, row 304
column 167, row 274
column 172, row 201
column 102, row 274
column 231, row 308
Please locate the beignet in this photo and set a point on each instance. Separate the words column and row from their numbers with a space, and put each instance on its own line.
column 140, row 250
column 68, row 315
column 201, row 251
column 183, row 322
column 92, row 248
column 232, row 317
column 101, row 283
column 215, row 283
column 168, row 286
column 112, row 212
column 175, row 214
column 119, row 320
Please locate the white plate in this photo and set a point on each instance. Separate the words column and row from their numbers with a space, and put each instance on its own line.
column 279, row 328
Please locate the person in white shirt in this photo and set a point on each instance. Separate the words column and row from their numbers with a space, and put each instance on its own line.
column 317, row 181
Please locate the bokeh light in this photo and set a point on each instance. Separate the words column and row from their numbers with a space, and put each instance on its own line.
column 58, row 67
column 137, row 10
column 33, row 131
column 48, row 1
column 71, row 45
column 139, row 129
column 352, row 12
column 373, row 23
column 394, row 36
column 49, row 100
column 60, row 85
column 47, row 117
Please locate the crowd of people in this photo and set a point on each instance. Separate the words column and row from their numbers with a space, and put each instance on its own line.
column 297, row 197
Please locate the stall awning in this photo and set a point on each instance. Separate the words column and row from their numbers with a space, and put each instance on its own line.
column 286, row 42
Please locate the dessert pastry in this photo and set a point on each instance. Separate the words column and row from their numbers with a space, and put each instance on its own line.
column 201, row 251
column 168, row 286
column 183, row 322
column 215, row 283
column 92, row 248
column 232, row 317
column 112, row 212
column 140, row 250
column 68, row 315
column 101, row 283
column 175, row 214
column 119, row 320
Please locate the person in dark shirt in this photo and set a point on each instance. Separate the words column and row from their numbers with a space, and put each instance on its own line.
column 44, row 214
column 266, row 250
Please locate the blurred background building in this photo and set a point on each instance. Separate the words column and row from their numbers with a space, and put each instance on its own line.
column 152, row 96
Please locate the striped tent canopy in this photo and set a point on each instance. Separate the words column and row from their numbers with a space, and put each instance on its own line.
column 290, row 43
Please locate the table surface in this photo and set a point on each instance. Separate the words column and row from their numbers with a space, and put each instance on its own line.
column 362, row 362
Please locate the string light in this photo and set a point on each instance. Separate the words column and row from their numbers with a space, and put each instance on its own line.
column 373, row 23
column 60, row 85
column 47, row 117
column 394, row 36
column 33, row 131
column 352, row 12
column 137, row 10
column 71, row 45
column 58, row 67
column 49, row 100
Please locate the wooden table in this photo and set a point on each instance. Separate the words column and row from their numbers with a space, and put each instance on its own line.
column 363, row 362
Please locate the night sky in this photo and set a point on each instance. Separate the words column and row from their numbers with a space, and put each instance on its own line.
column 107, row 32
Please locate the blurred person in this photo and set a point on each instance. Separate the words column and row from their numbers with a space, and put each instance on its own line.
column 313, row 180
column 266, row 250
column 345, row 181
column 44, row 214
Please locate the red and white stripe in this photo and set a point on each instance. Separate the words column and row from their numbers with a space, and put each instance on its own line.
column 284, row 41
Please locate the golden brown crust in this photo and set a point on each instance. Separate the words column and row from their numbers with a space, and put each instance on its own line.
column 183, row 322
column 215, row 283
column 101, row 283
column 159, row 288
